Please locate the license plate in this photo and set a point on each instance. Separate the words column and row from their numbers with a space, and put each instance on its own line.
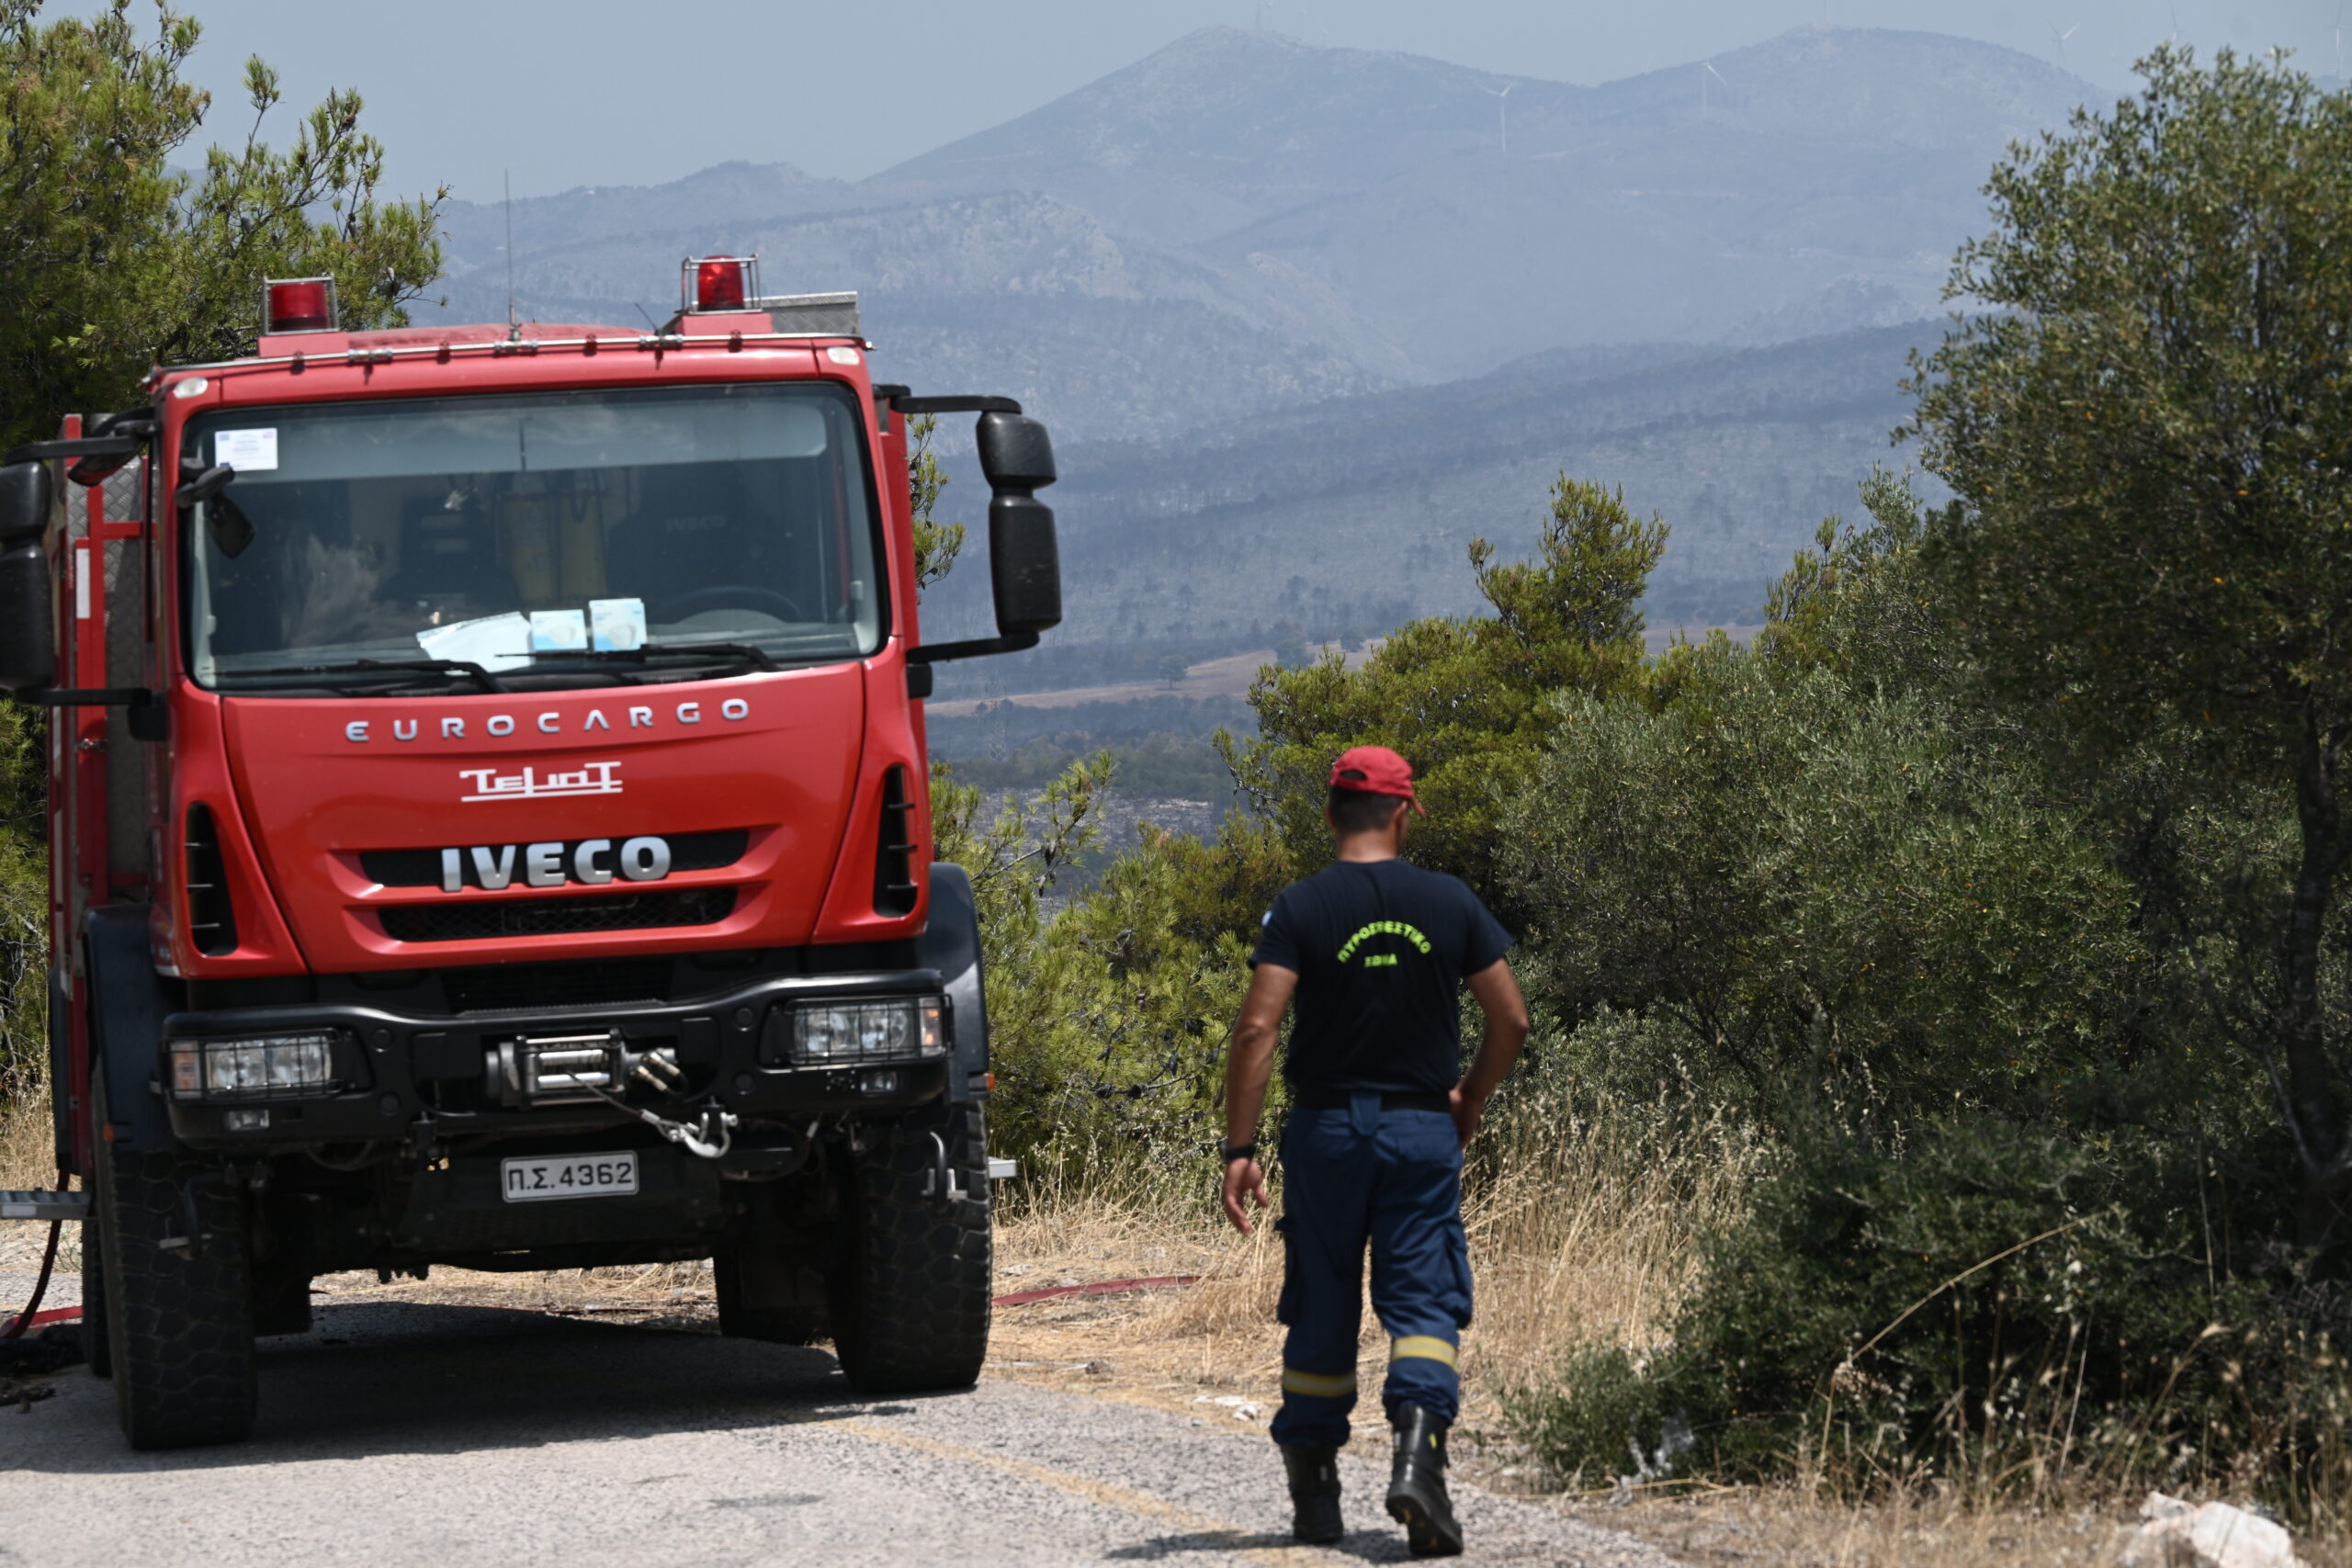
column 570, row 1176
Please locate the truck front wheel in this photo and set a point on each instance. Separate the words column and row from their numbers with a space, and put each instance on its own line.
column 177, row 1296
column 909, row 1302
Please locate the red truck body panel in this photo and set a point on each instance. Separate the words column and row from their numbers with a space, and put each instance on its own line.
column 300, row 789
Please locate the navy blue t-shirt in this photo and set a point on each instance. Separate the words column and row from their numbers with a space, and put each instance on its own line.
column 1380, row 949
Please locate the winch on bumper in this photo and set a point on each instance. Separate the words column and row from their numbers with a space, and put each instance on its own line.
column 774, row 1050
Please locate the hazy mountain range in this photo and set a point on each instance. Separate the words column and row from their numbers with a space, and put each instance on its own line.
column 1306, row 319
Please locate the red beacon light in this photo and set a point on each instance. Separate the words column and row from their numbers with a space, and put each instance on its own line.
column 297, row 305
column 720, row 283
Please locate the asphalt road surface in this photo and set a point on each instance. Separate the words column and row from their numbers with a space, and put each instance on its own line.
column 398, row 1434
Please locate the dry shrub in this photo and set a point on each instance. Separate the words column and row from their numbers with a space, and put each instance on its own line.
column 1586, row 1218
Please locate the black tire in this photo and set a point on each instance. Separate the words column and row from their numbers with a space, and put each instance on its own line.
column 788, row 1293
column 179, row 1318
column 910, row 1298
column 96, row 1349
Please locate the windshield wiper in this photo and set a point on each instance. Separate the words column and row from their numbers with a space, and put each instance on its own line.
column 714, row 652
column 480, row 676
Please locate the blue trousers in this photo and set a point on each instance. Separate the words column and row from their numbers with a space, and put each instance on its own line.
column 1392, row 1180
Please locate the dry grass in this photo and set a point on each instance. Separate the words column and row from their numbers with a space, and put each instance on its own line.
column 26, row 1159
column 27, row 1156
column 1584, row 1232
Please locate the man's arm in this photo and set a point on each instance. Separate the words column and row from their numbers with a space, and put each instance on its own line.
column 1248, row 1064
column 1498, row 996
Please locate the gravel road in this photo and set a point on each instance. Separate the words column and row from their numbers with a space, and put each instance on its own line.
column 398, row 1434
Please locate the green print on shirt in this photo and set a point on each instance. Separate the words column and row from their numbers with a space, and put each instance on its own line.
column 1383, row 928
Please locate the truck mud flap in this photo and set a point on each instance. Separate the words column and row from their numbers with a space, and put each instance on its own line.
column 129, row 1002
column 951, row 945
column 461, row 1207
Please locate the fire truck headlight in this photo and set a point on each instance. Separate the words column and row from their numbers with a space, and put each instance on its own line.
column 273, row 1067
column 880, row 1030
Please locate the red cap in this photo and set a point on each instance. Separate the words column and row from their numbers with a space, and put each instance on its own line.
column 1374, row 770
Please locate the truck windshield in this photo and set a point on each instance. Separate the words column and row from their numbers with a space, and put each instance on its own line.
column 568, row 537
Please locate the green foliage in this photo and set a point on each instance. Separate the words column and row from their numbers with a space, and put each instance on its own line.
column 1982, row 1300
column 1183, row 766
column 937, row 543
column 1468, row 702
column 1816, row 885
column 1107, row 1022
column 1821, row 867
column 1844, row 881
column 118, row 262
column 2150, row 437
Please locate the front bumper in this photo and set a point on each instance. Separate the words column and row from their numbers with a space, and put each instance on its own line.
column 401, row 1075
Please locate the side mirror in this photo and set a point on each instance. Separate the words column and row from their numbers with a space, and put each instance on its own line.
column 28, row 631
column 1025, row 560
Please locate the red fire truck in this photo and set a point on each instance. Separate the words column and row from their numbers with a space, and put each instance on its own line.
column 490, row 827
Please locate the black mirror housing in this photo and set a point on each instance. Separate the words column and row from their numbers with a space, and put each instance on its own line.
column 28, row 630
column 1024, row 565
column 1015, row 452
column 1024, row 559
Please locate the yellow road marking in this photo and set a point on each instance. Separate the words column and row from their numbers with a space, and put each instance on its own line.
column 1081, row 1487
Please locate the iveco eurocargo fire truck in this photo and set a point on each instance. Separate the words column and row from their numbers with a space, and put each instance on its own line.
column 490, row 827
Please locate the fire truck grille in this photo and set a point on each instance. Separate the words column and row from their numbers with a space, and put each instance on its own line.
column 535, row 988
column 688, row 852
column 487, row 919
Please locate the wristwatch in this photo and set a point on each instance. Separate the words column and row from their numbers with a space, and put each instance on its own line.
column 1230, row 1152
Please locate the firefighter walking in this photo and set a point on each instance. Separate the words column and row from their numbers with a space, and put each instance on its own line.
column 1374, row 951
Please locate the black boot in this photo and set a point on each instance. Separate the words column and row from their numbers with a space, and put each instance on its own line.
column 1417, row 1496
column 1314, row 1493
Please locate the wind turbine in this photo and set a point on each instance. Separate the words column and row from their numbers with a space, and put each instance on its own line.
column 2062, row 39
column 1710, row 71
column 2339, row 38
column 1502, row 111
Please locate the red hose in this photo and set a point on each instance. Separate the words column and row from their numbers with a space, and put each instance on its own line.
column 1019, row 1297
column 1099, row 1287
column 24, row 1320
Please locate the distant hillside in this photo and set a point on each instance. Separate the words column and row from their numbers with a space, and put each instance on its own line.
column 1356, row 512
column 1303, row 326
column 1015, row 293
column 1243, row 222
column 1679, row 204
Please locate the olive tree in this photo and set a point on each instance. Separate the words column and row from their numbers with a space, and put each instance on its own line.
column 2147, row 426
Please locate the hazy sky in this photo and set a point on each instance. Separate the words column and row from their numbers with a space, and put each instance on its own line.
column 567, row 93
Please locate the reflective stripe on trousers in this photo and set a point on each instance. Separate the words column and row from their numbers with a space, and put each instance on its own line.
column 1390, row 1180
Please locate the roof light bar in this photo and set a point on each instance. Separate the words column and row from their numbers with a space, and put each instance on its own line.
column 299, row 305
column 718, row 283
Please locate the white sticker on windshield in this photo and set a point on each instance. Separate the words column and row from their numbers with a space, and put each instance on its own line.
column 248, row 451
column 559, row 631
column 616, row 625
column 494, row 642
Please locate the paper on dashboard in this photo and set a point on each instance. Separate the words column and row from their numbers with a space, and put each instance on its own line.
column 494, row 642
